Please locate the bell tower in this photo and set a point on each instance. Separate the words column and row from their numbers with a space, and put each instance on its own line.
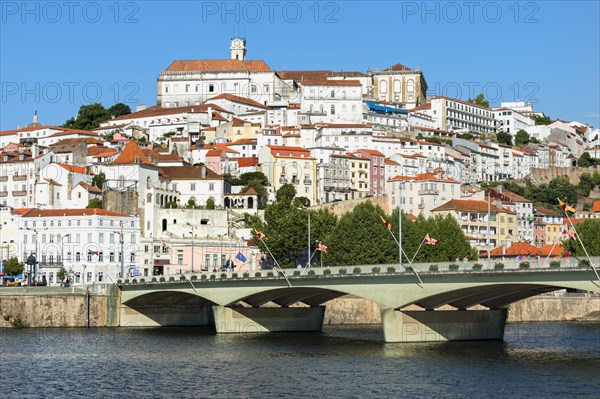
column 238, row 48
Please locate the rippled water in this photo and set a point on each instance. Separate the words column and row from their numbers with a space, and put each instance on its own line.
column 536, row 360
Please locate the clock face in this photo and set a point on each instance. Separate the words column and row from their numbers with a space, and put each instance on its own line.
column 236, row 43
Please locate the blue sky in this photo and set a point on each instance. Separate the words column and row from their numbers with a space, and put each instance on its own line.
column 55, row 56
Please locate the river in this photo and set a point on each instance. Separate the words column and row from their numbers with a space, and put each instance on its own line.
column 536, row 360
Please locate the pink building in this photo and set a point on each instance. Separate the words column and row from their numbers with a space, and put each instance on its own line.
column 377, row 171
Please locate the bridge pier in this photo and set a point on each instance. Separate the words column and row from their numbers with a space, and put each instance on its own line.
column 443, row 325
column 166, row 315
column 255, row 320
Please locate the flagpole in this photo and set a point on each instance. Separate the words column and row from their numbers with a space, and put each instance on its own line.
column 400, row 224
column 276, row 263
column 583, row 246
column 408, row 259
column 418, row 249
column 551, row 249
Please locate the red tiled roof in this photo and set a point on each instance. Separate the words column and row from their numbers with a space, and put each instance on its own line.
column 371, row 152
column 397, row 68
column 89, row 187
column 245, row 162
column 188, row 173
column 238, row 99
column 325, row 82
column 227, row 65
column 596, row 206
column 53, row 182
column 467, row 205
column 159, row 111
column 285, row 151
column 425, row 176
column 73, row 168
column 302, row 75
column 243, row 142
column 131, row 154
column 71, row 212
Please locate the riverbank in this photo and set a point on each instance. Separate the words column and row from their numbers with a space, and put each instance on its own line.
column 45, row 308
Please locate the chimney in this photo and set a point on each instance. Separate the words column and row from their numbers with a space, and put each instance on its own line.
column 140, row 107
column 203, row 171
column 209, row 112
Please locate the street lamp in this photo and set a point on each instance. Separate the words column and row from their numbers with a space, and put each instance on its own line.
column 192, row 233
column 35, row 243
column 308, row 246
column 62, row 249
column 121, row 241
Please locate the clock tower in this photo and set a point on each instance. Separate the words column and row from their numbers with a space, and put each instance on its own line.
column 238, row 48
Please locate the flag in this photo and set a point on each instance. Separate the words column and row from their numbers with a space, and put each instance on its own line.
column 241, row 257
column 321, row 247
column 260, row 235
column 386, row 223
column 566, row 207
column 572, row 234
column 169, row 248
column 429, row 240
column 90, row 252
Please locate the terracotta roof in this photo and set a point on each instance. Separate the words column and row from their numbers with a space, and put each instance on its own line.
column 421, row 107
column 371, row 152
column 53, row 182
column 302, row 75
column 99, row 149
column 89, row 187
column 67, row 145
column 245, row 162
column 22, row 211
column 467, row 205
column 596, row 206
column 132, row 154
column 552, row 250
column 188, row 173
column 545, row 212
column 325, row 82
column 227, row 65
column 425, row 176
column 390, row 162
column 243, row 142
column 285, row 151
column 344, row 125
column 67, row 132
column 71, row 212
column 72, row 168
column 511, row 196
column 28, row 129
column 397, row 68
column 159, row 111
column 237, row 122
column 238, row 99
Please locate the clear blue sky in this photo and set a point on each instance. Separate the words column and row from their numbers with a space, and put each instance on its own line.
column 54, row 56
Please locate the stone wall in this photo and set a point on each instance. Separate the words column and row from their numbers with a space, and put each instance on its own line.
column 62, row 309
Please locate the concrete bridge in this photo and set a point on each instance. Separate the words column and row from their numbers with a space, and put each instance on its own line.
column 266, row 302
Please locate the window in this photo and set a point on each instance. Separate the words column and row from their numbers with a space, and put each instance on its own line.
column 333, row 110
column 101, row 238
column 252, row 88
column 180, row 259
column 193, row 186
column 207, row 261
column 100, row 257
column 211, row 187
column 132, row 257
column 89, row 237
column 132, row 238
column 111, row 257
column 211, row 88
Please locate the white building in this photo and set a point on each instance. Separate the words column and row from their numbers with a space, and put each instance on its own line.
column 512, row 121
column 458, row 115
column 192, row 82
column 86, row 242
column 331, row 101
column 399, row 84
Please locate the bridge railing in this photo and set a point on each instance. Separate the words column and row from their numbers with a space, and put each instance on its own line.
column 495, row 265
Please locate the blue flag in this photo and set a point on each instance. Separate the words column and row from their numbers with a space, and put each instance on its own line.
column 241, row 257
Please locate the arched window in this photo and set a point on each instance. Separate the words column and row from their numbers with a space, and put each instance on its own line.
column 397, row 86
column 410, row 88
column 148, row 198
column 250, row 203
column 164, row 224
column 383, row 87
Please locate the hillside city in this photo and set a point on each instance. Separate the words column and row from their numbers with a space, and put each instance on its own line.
column 170, row 188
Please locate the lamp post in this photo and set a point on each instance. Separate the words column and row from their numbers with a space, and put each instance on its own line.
column 121, row 241
column 62, row 249
column 35, row 246
column 308, row 246
column 193, row 235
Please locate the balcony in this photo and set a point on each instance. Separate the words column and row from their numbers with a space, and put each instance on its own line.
column 295, row 181
column 3, row 193
column 307, row 181
column 19, row 178
column 429, row 192
column 3, row 178
column 19, row 193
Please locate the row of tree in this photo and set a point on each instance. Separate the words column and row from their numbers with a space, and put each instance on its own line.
column 358, row 237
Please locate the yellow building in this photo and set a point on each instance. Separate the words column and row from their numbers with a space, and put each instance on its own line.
column 472, row 216
column 360, row 175
column 292, row 165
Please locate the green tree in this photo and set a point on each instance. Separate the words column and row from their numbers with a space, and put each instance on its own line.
column 95, row 203
column 119, row 109
column 89, row 117
column 504, row 138
column 192, row 203
column 466, row 136
column 586, row 184
column 561, row 188
column 61, row 275
column 210, row 203
column 285, row 193
column 98, row 180
column 361, row 238
column 256, row 180
column 522, row 138
column 587, row 231
column 586, row 160
column 596, row 178
column 480, row 100
column 12, row 267
column 542, row 120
